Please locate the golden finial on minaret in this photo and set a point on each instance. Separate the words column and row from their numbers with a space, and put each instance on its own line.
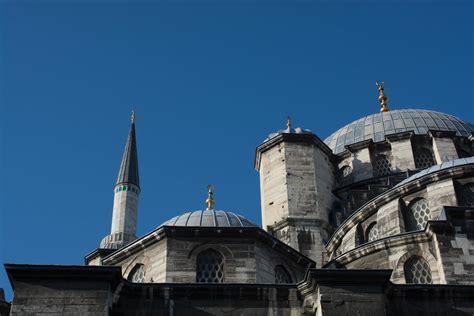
column 288, row 122
column 133, row 116
column 382, row 97
column 210, row 199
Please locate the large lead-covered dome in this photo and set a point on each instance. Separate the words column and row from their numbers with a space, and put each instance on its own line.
column 377, row 126
column 209, row 218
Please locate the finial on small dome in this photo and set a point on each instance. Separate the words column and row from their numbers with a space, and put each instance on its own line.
column 133, row 117
column 382, row 97
column 288, row 122
column 210, row 199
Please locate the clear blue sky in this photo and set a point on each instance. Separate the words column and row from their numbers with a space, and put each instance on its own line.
column 209, row 82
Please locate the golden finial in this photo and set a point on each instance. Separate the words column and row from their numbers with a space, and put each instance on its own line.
column 133, row 116
column 382, row 97
column 288, row 122
column 209, row 200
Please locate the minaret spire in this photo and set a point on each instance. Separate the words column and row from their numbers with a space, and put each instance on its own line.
column 126, row 192
column 128, row 172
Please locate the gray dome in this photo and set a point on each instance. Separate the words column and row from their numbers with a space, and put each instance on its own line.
column 209, row 218
column 377, row 126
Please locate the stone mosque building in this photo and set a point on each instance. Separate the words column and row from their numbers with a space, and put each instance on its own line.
column 377, row 219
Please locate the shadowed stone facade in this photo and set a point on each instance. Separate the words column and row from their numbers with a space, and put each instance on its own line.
column 378, row 219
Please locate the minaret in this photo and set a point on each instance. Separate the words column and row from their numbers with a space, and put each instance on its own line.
column 126, row 192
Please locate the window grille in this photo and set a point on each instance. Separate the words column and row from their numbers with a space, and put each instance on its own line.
column 281, row 275
column 418, row 215
column 424, row 159
column 417, row 271
column 210, row 267
column 137, row 275
column 382, row 165
column 372, row 232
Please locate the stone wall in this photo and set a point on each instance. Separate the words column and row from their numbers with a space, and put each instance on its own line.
column 273, row 186
column 62, row 290
column 94, row 291
column 402, row 154
column 296, row 183
column 444, row 149
column 454, row 244
column 154, row 259
column 246, row 260
column 208, row 299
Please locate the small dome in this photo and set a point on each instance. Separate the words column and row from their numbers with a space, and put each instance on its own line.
column 209, row 218
column 377, row 126
column 443, row 166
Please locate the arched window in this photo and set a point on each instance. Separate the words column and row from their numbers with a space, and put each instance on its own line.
column 466, row 196
column 281, row 275
column 382, row 165
column 210, row 267
column 372, row 232
column 359, row 236
column 137, row 274
column 417, row 215
column 417, row 271
column 423, row 159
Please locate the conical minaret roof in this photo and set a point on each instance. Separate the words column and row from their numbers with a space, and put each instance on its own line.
column 128, row 172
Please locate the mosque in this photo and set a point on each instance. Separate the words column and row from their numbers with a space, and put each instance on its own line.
column 377, row 219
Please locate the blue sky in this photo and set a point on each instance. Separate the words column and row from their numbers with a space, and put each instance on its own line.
column 209, row 82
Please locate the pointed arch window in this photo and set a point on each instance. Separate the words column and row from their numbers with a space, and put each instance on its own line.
column 417, row 215
column 281, row 275
column 210, row 267
column 137, row 275
column 417, row 271
column 359, row 236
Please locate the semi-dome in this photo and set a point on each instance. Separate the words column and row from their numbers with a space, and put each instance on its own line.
column 209, row 218
column 443, row 166
column 377, row 126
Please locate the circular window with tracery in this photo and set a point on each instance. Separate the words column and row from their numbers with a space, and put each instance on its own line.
column 424, row 159
column 210, row 267
column 372, row 232
column 382, row 165
column 281, row 275
column 137, row 275
column 417, row 271
column 419, row 214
